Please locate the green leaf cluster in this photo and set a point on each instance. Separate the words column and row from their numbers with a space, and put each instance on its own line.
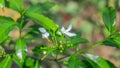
column 89, row 61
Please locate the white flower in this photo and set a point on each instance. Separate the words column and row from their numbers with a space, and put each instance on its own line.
column 45, row 34
column 67, row 31
column 44, row 52
column 19, row 54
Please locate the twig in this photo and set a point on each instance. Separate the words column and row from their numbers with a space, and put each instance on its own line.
column 87, row 48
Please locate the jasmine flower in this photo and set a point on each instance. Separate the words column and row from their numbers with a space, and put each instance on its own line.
column 67, row 31
column 19, row 54
column 44, row 52
column 45, row 34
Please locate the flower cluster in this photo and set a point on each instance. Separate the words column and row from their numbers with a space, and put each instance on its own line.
column 67, row 32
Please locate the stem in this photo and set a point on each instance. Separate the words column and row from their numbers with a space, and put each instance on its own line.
column 22, row 21
column 55, row 41
column 87, row 48
column 56, row 56
column 44, row 57
column 63, row 57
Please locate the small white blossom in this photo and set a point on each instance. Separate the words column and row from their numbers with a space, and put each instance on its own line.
column 44, row 52
column 19, row 54
column 67, row 31
column 45, row 34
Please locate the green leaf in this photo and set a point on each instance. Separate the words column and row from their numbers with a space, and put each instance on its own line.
column 75, row 62
column 2, row 4
column 37, row 64
column 6, row 62
column 17, row 61
column 6, row 25
column 16, row 5
column 87, row 64
column 42, row 20
column 96, row 61
column 113, row 40
column 77, row 40
column 34, row 32
column 20, row 49
column 2, row 51
column 47, row 5
column 41, row 49
column 41, row 7
column 29, row 63
column 109, row 17
column 111, row 65
column 5, row 20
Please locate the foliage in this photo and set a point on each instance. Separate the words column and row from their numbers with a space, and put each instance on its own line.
column 59, row 38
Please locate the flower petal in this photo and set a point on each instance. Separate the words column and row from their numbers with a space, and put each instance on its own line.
column 70, row 34
column 44, row 52
column 42, row 30
column 59, row 33
column 63, row 30
column 45, row 35
column 19, row 54
column 67, row 31
column 69, row 28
